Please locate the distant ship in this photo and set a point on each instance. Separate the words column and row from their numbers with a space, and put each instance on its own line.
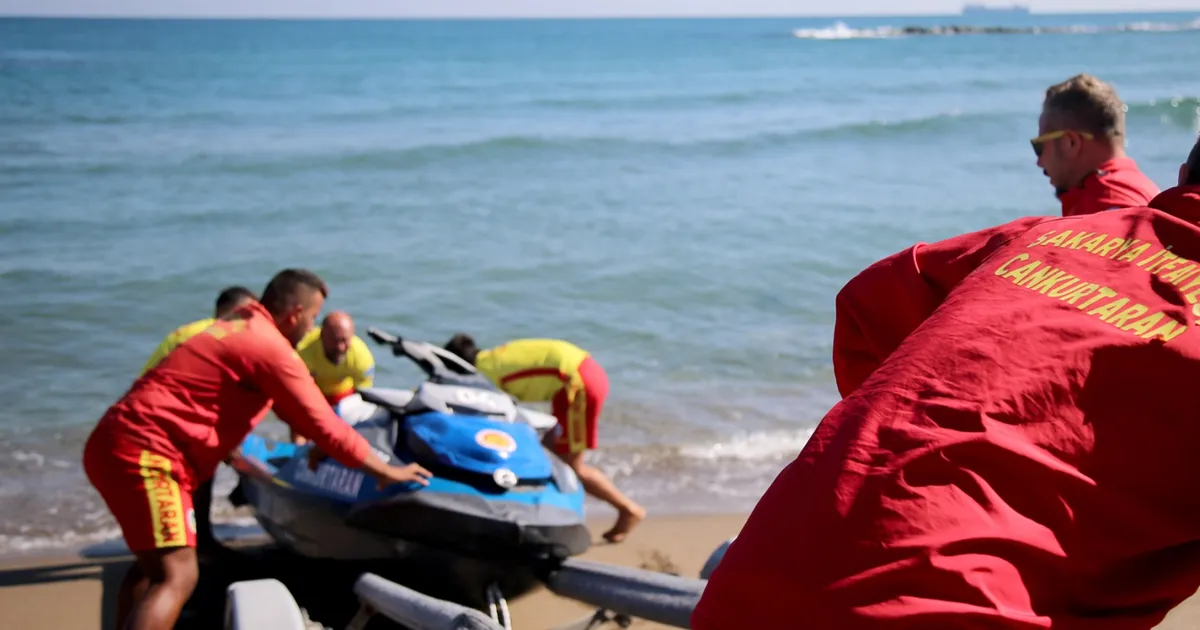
column 1015, row 9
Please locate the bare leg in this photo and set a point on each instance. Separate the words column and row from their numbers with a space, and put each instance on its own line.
column 597, row 484
column 133, row 589
column 172, row 575
column 206, row 541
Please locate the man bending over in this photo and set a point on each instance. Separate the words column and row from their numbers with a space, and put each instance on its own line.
column 229, row 300
column 179, row 420
column 561, row 373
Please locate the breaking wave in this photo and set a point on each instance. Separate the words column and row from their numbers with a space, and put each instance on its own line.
column 839, row 30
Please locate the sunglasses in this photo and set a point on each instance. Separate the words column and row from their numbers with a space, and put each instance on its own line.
column 1039, row 143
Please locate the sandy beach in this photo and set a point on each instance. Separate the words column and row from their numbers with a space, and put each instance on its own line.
column 71, row 592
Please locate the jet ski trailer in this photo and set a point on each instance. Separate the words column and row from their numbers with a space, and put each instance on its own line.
column 619, row 593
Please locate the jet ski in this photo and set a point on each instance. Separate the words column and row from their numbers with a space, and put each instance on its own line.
column 498, row 501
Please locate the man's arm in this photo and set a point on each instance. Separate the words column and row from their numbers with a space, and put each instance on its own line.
column 887, row 301
column 364, row 365
column 297, row 401
column 282, row 375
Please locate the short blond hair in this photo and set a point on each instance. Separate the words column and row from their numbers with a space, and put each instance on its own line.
column 1085, row 103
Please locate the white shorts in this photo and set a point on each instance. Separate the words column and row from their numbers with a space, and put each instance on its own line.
column 353, row 409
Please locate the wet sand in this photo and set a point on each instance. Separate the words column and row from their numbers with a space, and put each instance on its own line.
column 71, row 592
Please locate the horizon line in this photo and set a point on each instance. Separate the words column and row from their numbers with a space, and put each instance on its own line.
column 666, row 16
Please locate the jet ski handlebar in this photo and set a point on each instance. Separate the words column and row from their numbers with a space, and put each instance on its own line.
column 383, row 339
column 432, row 360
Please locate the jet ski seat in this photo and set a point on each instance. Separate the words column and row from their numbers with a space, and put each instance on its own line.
column 393, row 399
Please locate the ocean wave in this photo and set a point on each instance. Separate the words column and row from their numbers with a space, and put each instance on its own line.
column 1176, row 111
column 840, row 31
column 766, row 445
column 1183, row 111
column 134, row 118
column 524, row 145
column 1179, row 111
column 34, row 55
column 19, row 544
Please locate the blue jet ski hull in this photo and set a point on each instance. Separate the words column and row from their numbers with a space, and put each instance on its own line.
column 339, row 513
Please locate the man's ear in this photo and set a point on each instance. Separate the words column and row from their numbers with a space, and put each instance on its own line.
column 293, row 314
column 1184, row 174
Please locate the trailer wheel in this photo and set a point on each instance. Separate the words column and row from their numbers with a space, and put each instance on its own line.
column 262, row 605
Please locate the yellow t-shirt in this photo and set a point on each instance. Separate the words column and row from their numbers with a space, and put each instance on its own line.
column 177, row 336
column 356, row 371
column 533, row 370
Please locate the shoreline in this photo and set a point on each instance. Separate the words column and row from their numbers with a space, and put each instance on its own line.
column 32, row 588
column 239, row 528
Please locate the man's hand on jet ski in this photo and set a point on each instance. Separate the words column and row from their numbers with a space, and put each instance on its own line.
column 402, row 474
column 384, row 473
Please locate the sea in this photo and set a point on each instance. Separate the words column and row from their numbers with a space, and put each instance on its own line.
column 681, row 197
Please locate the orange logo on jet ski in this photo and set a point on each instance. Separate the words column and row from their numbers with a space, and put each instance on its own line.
column 496, row 440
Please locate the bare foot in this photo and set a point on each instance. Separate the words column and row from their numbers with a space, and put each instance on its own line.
column 626, row 521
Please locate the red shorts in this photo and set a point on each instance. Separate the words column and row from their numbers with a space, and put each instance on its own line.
column 578, row 427
column 149, row 494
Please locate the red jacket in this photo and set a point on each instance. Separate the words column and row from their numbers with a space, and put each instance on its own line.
column 1116, row 184
column 203, row 398
column 1014, row 447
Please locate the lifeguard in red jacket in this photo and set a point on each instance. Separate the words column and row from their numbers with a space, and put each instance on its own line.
column 182, row 417
column 1017, row 442
column 1080, row 146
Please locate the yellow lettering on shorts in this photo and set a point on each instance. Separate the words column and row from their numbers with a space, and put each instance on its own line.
column 165, row 499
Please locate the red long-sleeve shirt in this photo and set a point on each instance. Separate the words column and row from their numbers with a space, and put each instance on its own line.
column 205, row 397
column 1118, row 183
column 1015, row 447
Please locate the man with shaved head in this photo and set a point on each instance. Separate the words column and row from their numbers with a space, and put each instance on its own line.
column 341, row 364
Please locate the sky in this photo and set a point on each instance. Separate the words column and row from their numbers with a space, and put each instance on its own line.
column 546, row 8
